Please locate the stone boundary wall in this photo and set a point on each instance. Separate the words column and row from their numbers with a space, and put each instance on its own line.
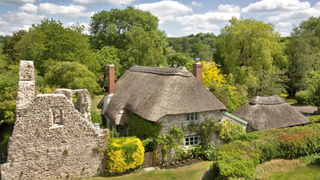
column 51, row 138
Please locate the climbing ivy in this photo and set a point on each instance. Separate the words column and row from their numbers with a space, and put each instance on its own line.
column 205, row 130
column 142, row 128
column 170, row 141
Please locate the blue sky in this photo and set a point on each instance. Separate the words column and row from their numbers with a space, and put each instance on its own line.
column 176, row 18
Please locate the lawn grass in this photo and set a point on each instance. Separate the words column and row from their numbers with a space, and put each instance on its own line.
column 310, row 171
column 294, row 169
column 95, row 101
column 193, row 171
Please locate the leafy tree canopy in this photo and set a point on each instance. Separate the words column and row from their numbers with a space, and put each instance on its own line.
column 9, row 44
column 72, row 75
column 110, row 27
column 50, row 42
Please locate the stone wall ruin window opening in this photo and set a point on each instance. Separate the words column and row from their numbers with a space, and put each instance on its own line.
column 57, row 116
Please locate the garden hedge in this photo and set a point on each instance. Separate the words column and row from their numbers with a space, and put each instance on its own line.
column 239, row 158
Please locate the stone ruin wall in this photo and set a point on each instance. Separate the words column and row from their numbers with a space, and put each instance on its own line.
column 51, row 138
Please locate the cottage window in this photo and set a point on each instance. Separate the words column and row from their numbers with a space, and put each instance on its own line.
column 192, row 117
column 191, row 141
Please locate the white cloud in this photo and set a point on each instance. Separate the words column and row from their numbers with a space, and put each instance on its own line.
column 283, row 24
column 195, row 29
column 204, row 22
column 16, row 2
column 29, row 8
column 228, row 8
column 275, row 6
column 165, row 10
column 8, row 30
column 210, row 17
column 297, row 15
column 115, row 2
column 22, row 17
column 71, row 10
column 2, row 22
column 196, row 4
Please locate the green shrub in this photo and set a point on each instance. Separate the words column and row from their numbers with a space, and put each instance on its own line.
column 238, row 160
column 247, row 137
column 289, row 142
column 230, row 131
column 314, row 119
column 123, row 154
column 142, row 128
column 304, row 97
column 210, row 152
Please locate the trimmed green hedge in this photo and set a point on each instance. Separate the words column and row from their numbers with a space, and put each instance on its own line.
column 236, row 158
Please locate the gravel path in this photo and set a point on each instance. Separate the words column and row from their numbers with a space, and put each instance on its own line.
column 306, row 110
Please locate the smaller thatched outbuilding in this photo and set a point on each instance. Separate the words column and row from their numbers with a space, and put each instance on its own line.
column 269, row 112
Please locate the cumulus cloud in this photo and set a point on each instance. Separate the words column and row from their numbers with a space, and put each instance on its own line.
column 196, row 4
column 276, row 6
column 8, row 30
column 115, row 2
column 22, row 17
column 297, row 15
column 228, row 8
column 16, row 2
column 284, row 24
column 195, row 29
column 2, row 22
column 29, row 8
column 165, row 10
column 204, row 22
column 71, row 10
column 209, row 17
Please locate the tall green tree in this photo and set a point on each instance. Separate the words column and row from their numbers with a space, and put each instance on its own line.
column 104, row 57
column 110, row 27
column 72, row 75
column 248, row 46
column 134, row 32
column 145, row 48
column 9, row 44
column 50, row 42
column 303, row 54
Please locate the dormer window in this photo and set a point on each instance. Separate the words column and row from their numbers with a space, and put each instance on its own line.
column 192, row 117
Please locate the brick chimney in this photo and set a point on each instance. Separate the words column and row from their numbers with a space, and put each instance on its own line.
column 197, row 71
column 111, row 78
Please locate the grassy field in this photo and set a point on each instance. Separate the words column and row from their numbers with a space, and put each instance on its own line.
column 310, row 171
column 95, row 101
column 191, row 172
column 282, row 169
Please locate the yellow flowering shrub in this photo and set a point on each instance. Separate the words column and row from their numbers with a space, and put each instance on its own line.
column 124, row 153
column 211, row 74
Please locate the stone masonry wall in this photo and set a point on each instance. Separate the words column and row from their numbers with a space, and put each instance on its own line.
column 52, row 140
column 180, row 121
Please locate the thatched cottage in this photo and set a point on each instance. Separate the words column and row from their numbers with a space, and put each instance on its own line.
column 170, row 96
column 269, row 112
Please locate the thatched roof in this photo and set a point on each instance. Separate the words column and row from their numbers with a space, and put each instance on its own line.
column 153, row 93
column 270, row 112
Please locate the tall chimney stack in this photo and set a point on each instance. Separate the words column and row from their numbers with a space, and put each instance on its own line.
column 111, row 78
column 197, row 71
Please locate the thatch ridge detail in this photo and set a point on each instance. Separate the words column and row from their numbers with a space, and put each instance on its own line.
column 268, row 100
column 180, row 71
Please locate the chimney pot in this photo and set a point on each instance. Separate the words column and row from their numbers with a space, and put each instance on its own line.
column 111, row 78
column 197, row 71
